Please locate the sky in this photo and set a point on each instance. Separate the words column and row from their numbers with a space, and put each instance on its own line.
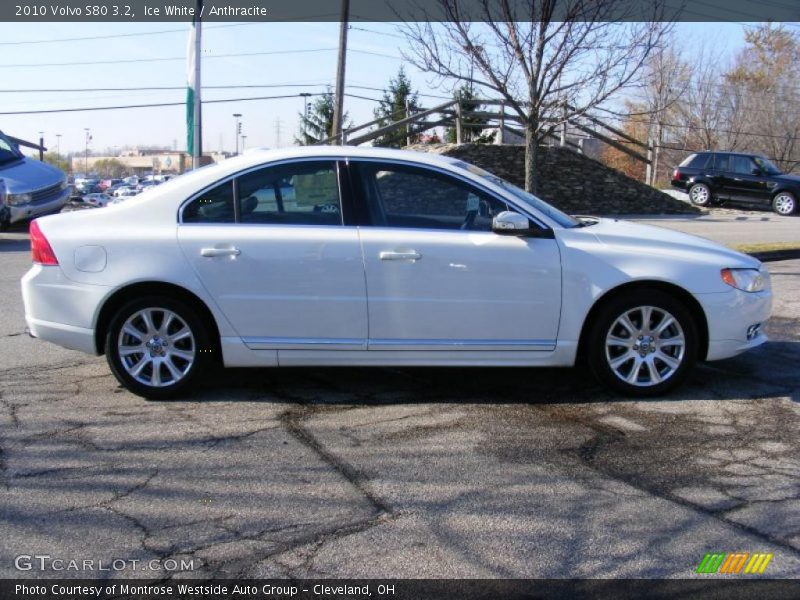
column 374, row 56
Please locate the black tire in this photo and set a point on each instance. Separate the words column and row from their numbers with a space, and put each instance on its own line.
column 199, row 345
column 700, row 194
column 600, row 346
column 784, row 203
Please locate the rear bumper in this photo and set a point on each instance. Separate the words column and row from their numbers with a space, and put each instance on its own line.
column 679, row 185
column 31, row 211
column 729, row 316
column 59, row 310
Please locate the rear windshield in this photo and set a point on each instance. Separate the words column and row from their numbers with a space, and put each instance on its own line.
column 695, row 161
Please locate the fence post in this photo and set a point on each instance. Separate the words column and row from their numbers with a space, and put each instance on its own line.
column 459, row 133
column 343, row 137
column 648, row 173
column 500, row 139
column 41, row 148
column 563, row 139
column 408, row 129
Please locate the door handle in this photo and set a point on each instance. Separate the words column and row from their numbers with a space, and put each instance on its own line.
column 392, row 255
column 212, row 252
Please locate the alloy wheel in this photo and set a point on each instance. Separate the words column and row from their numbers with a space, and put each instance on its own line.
column 645, row 346
column 156, row 347
column 784, row 204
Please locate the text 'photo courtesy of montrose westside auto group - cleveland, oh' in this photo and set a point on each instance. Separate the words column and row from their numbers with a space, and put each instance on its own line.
column 442, row 299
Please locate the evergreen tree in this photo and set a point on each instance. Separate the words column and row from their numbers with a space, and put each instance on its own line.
column 468, row 134
column 399, row 99
column 318, row 124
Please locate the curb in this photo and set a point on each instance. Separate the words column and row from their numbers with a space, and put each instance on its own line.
column 775, row 255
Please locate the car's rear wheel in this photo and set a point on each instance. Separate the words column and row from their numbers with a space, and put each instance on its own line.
column 700, row 194
column 156, row 347
column 643, row 343
column 784, row 203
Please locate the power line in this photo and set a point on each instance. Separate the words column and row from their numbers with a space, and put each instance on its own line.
column 155, row 105
column 119, row 35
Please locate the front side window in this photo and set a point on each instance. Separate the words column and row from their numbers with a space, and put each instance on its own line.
column 8, row 151
column 212, row 206
column 303, row 193
column 417, row 198
column 766, row 165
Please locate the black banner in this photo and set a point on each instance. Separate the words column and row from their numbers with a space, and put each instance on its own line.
column 394, row 10
column 400, row 589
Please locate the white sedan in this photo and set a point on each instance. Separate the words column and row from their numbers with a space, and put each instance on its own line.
column 359, row 256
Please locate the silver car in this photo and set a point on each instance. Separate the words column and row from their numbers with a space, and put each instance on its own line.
column 32, row 187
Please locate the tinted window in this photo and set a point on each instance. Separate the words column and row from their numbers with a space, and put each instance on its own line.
column 399, row 196
column 304, row 193
column 721, row 162
column 213, row 206
column 695, row 161
column 742, row 164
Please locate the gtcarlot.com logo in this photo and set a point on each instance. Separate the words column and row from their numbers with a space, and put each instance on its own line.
column 734, row 563
column 45, row 562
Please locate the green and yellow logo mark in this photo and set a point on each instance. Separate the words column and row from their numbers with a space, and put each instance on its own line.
column 733, row 563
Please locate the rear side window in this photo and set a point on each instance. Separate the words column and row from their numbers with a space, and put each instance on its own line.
column 721, row 162
column 212, row 206
column 695, row 161
column 742, row 164
column 302, row 193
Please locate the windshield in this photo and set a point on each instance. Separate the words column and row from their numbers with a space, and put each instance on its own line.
column 559, row 217
column 766, row 165
column 8, row 151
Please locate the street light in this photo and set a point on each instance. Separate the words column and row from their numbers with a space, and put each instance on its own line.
column 237, row 131
column 86, row 153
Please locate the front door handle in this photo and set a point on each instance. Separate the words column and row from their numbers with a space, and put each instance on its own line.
column 212, row 252
column 394, row 255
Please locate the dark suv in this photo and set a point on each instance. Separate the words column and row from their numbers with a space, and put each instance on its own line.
column 718, row 176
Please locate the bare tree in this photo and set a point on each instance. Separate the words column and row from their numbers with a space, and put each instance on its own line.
column 550, row 60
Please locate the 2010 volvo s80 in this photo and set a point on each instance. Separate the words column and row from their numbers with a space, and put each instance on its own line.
column 351, row 256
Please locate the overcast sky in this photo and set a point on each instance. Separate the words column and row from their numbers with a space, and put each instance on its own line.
column 374, row 57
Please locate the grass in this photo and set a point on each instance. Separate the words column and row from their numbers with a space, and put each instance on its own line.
column 766, row 247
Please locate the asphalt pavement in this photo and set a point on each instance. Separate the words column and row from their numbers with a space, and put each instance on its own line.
column 507, row 473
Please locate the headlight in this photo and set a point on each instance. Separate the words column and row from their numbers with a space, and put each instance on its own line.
column 16, row 199
column 63, row 185
column 747, row 280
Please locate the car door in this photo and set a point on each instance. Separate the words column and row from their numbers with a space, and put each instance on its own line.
column 272, row 251
column 438, row 278
column 718, row 175
column 744, row 180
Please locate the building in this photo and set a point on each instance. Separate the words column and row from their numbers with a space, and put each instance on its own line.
column 145, row 162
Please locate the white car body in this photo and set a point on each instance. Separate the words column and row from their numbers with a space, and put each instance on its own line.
column 310, row 295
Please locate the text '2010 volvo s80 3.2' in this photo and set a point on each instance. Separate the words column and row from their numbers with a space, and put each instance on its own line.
column 349, row 256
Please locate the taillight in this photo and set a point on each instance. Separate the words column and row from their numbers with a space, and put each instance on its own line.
column 41, row 251
column 676, row 174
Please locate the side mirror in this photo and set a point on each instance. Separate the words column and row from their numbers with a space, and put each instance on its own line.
column 512, row 223
column 756, row 171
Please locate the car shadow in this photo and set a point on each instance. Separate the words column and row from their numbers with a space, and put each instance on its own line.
column 748, row 376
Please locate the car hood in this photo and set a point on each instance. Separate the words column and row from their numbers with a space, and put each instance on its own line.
column 30, row 175
column 647, row 239
column 786, row 177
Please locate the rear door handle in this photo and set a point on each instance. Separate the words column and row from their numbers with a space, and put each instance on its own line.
column 212, row 252
column 393, row 255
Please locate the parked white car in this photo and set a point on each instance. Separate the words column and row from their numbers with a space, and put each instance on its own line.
column 360, row 256
column 97, row 199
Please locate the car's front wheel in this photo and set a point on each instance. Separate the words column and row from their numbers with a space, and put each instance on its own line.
column 156, row 347
column 643, row 343
column 700, row 194
column 784, row 203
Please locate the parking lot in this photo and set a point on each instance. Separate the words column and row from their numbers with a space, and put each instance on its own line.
column 478, row 473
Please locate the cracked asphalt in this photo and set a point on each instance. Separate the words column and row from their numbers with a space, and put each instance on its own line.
column 510, row 473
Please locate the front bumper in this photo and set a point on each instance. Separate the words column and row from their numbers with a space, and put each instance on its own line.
column 33, row 210
column 730, row 315
column 59, row 310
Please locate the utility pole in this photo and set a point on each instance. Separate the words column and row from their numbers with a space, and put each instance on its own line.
column 278, row 123
column 244, row 139
column 338, row 106
column 237, row 131
column 41, row 145
column 197, row 149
